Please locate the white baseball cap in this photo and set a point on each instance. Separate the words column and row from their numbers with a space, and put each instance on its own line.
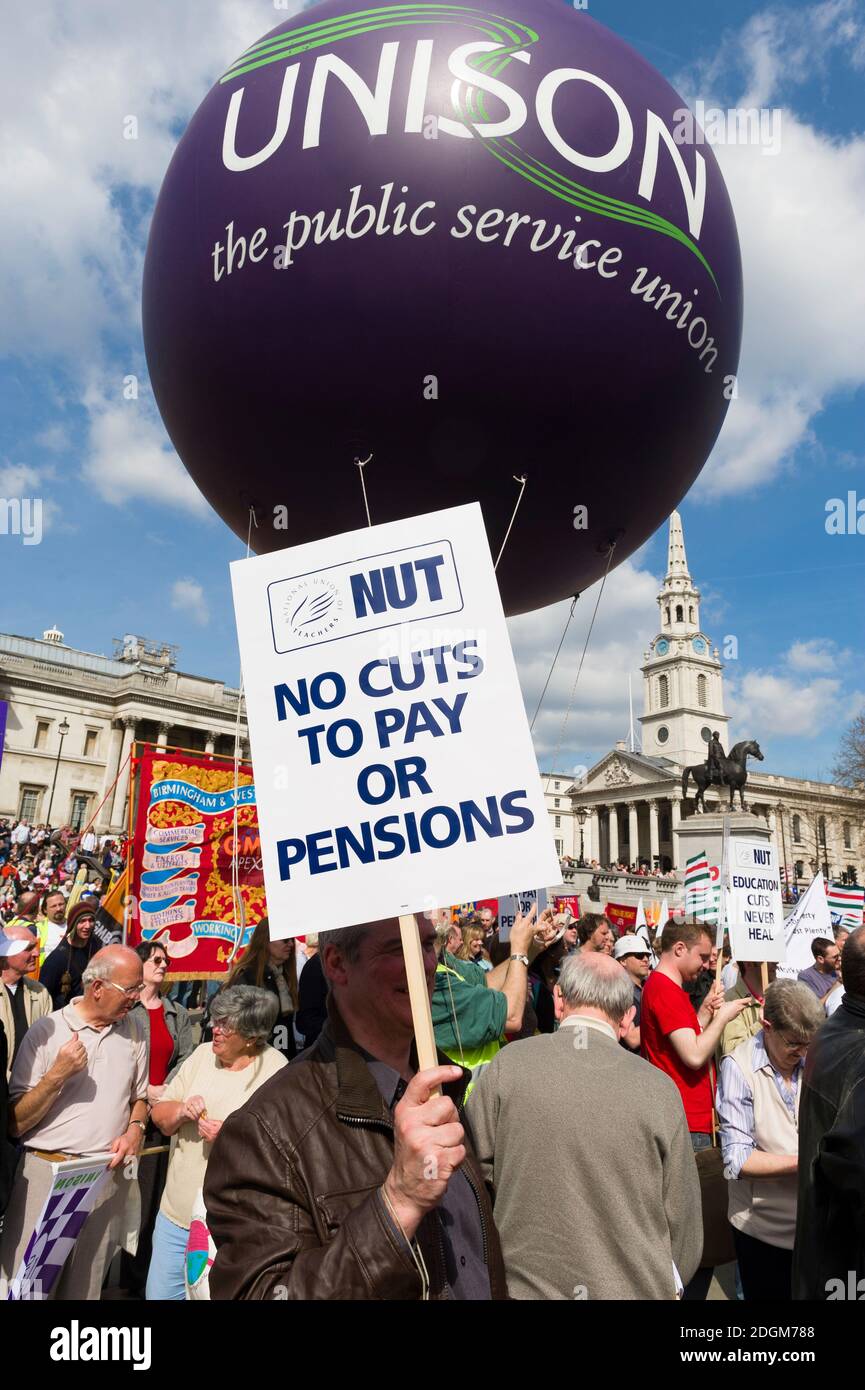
column 630, row 946
column 13, row 945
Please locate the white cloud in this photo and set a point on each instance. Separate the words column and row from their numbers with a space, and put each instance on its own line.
column 55, row 438
column 762, row 699
column 187, row 596
column 128, row 456
column 782, row 46
column 818, row 654
column 626, row 623
column 71, row 263
column 799, row 213
column 77, row 196
column 19, row 480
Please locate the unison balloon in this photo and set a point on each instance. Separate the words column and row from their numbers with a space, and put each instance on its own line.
column 474, row 246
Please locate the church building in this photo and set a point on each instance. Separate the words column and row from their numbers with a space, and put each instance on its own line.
column 631, row 801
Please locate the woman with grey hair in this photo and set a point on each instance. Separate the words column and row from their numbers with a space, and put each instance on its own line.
column 758, row 1106
column 217, row 1079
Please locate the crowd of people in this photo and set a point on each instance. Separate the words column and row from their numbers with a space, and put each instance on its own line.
column 642, row 869
column 612, row 1116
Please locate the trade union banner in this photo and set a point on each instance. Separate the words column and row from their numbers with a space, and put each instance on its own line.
column 183, row 861
column 622, row 915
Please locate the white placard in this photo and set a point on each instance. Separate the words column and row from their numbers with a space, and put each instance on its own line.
column 809, row 919
column 514, row 905
column 394, row 768
column 755, row 913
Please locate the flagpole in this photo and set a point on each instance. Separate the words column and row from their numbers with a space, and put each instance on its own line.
column 723, row 923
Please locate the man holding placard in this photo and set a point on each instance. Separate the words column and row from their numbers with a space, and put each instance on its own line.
column 380, row 688
column 345, row 1177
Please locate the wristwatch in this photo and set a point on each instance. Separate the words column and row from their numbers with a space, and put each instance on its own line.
column 519, row 956
column 141, row 1125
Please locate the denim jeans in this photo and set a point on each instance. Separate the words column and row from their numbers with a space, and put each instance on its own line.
column 165, row 1278
column 700, row 1141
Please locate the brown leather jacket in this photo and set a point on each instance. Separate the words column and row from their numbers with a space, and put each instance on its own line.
column 292, row 1189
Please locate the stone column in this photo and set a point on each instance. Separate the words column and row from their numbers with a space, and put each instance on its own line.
column 121, row 791
column 593, row 836
column 162, row 737
column 654, row 841
column 633, row 833
column 675, row 818
column 111, row 765
column 613, row 835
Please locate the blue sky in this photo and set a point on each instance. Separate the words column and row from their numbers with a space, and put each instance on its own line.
column 129, row 546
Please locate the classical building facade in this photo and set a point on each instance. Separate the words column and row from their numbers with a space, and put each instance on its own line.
column 564, row 816
column 633, row 799
column 73, row 717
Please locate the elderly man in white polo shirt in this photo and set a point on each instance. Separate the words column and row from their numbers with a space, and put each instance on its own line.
column 79, row 1088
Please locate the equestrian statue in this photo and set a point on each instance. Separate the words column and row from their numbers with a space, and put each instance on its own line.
column 721, row 771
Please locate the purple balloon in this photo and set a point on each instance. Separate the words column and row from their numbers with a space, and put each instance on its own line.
column 470, row 245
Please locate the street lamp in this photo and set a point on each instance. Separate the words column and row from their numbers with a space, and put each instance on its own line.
column 63, row 730
column 821, row 826
column 582, row 816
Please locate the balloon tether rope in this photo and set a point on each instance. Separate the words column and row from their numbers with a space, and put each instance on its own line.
column 361, row 464
column 522, row 482
column 555, row 659
column 610, row 555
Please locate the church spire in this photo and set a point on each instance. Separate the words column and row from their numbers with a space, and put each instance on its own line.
column 679, row 598
column 684, row 699
column 677, row 560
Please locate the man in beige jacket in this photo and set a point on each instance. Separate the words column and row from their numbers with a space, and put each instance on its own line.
column 586, row 1148
column 22, row 1001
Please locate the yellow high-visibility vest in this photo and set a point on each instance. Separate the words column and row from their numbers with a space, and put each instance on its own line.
column 472, row 1057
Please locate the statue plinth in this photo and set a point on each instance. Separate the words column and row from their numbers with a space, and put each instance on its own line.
column 705, row 831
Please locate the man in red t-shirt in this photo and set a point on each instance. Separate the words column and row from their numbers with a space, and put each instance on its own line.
column 675, row 1038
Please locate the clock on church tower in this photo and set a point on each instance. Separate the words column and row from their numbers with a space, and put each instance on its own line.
column 682, row 682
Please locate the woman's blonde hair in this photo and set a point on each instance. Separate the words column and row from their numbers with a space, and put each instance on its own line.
column 472, row 931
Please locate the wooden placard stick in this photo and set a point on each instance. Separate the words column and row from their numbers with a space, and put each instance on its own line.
column 427, row 1053
column 764, row 977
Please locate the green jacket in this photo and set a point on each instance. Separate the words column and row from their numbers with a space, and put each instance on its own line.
column 468, row 1018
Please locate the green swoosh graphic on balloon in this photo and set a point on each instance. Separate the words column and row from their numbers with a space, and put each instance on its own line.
column 511, row 38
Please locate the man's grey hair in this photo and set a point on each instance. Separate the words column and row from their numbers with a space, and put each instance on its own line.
column 588, row 982
column 98, row 970
column 443, row 933
column 793, row 1009
column 249, row 1011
